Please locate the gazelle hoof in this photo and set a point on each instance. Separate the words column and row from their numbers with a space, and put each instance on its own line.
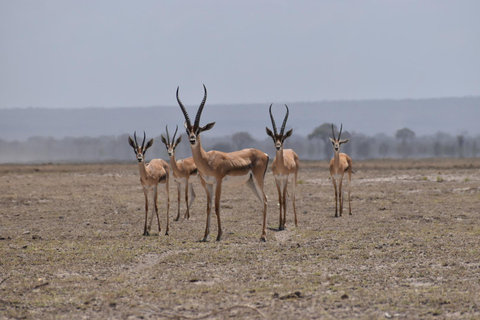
column 263, row 239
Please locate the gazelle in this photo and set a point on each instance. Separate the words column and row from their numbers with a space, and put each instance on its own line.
column 340, row 164
column 216, row 168
column 151, row 174
column 284, row 166
column 183, row 170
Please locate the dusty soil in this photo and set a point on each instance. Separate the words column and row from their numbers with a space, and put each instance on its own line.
column 72, row 247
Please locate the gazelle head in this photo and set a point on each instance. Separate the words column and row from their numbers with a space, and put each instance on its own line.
column 171, row 145
column 193, row 131
column 278, row 139
column 336, row 142
column 139, row 150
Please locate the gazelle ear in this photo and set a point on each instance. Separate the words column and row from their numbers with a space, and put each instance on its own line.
column 185, row 125
column 269, row 132
column 333, row 141
column 207, row 127
column 288, row 134
column 178, row 141
column 131, row 143
column 344, row 141
column 149, row 144
column 164, row 140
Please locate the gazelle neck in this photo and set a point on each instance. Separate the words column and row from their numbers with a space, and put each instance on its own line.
column 173, row 162
column 336, row 158
column 197, row 150
column 143, row 170
column 200, row 157
column 279, row 155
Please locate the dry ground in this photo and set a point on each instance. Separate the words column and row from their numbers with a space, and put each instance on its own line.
column 72, row 247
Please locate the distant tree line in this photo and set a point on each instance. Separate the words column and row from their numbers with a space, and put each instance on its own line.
column 316, row 146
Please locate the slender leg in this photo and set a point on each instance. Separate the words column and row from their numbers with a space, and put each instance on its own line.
column 294, row 184
column 179, row 186
column 209, row 191
column 192, row 195
column 285, row 196
column 340, row 195
column 187, row 213
column 155, row 200
column 336, row 197
column 145, row 229
column 280, row 202
column 260, row 193
column 167, row 192
column 218, row 194
column 264, row 229
column 349, row 188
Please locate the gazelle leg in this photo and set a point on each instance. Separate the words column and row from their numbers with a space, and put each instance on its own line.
column 349, row 188
column 145, row 229
column 280, row 202
column 192, row 195
column 294, row 183
column 285, row 196
column 155, row 200
column 218, row 194
column 257, row 182
column 187, row 212
column 264, row 228
column 340, row 195
column 150, row 220
column 179, row 187
column 336, row 196
column 209, row 191
column 167, row 191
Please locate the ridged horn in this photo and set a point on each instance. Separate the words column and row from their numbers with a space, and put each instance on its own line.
column 135, row 137
column 200, row 108
column 284, row 122
column 273, row 121
column 185, row 114
column 173, row 139
column 168, row 136
column 143, row 142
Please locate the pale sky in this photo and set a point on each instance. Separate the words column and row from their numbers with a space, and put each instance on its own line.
column 114, row 53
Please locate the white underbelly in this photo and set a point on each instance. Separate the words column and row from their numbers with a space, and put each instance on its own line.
column 237, row 180
column 230, row 180
column 281, row 177
column 180, row 180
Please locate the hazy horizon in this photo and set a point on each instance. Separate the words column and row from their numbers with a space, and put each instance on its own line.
column 70, row 54
column 454, row 116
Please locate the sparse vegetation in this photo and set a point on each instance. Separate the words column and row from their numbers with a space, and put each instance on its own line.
column 71, row 246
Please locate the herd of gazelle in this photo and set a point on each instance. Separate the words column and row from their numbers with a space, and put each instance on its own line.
column 217, row 168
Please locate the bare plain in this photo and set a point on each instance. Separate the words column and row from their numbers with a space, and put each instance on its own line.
column 71, row 246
